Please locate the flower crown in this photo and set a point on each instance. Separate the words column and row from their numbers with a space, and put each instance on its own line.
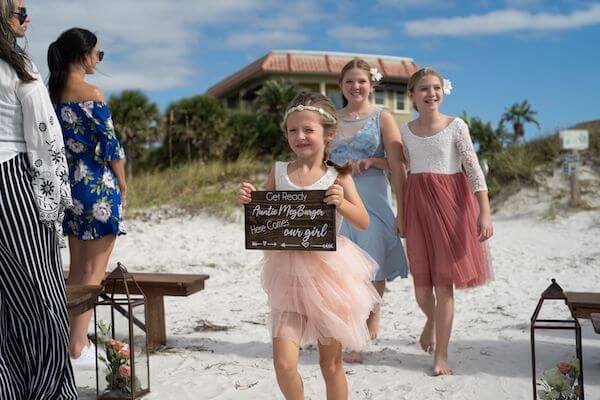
column 375, row 74
column 301, row 107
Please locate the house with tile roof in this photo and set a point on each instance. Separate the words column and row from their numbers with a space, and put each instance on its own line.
column 318, row 71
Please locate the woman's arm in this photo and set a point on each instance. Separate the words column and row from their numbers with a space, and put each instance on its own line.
column 118, row 167
column 485, row 229
column 364, row 164
column 344, row 196
column 392, row 142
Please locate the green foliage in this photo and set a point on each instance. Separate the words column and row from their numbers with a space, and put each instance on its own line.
column 490, row 140
column 271, row 103
column 196, row 124
column 210, row 186
column 135, row 119
column 242, row 129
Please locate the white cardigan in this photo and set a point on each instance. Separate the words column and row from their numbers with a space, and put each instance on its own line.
column 28, row 124
column 12, row 138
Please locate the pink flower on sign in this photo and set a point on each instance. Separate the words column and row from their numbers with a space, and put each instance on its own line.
column 124, row 371
column 564, row 367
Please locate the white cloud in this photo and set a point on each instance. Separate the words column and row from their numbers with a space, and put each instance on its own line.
column 272, row 38
column 352, row 32
column 149, row 45
column 502, row 21
column 364, row 38
column 416, row 3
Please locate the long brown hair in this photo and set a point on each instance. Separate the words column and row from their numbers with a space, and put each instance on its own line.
column 318, row 100
column 16, row 59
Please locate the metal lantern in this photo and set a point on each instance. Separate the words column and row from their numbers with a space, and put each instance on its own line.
column 553, row 293
column 122, row 363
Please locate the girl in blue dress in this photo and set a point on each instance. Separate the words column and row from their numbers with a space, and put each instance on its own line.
column 368, row 136
column 96, row 170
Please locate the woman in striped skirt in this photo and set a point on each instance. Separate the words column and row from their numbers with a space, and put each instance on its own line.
column 34, row 192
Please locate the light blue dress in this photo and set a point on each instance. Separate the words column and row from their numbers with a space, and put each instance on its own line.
column 379, row 239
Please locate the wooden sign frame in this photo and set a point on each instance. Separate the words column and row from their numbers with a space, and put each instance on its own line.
column 292, row 220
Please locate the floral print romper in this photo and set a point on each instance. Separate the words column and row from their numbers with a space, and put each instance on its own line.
column 90, row 143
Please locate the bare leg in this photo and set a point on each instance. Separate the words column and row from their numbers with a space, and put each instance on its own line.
column 89, row 259
column 372, row 324
column 444, row 314
column 373, row 321
column 332, row 368
column 285, row 360
column 427, row 303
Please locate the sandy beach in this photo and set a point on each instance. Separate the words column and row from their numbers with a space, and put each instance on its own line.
column 219, row 346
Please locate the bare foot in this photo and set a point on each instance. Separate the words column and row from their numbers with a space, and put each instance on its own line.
column 353, row 357
column 427, row 339
column 440, row 366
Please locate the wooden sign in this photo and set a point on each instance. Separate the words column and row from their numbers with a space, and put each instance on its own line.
column 290, row 220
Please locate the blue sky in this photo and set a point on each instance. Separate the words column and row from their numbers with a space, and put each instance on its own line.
column 495, row 52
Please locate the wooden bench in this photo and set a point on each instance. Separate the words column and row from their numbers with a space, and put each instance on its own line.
column 155, row 287
column 81, row 298
column 583, row 304
column 596, row 322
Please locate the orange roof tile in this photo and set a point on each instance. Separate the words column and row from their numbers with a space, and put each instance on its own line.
column 295, row 62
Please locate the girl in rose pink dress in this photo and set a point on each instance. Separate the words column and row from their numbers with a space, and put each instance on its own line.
column 445, row 224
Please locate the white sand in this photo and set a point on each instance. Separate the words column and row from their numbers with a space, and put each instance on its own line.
column 490, row 349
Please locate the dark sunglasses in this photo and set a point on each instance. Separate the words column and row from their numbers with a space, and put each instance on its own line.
column 22, row 13
column 100, row 55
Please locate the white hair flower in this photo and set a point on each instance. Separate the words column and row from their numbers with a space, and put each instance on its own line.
column 376, row 75
column 447, row 86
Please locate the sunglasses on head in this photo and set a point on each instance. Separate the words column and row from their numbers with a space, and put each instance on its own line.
column 22, row 14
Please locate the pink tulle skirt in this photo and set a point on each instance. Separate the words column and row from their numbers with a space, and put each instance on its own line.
column 440, row 216
column 317, row 296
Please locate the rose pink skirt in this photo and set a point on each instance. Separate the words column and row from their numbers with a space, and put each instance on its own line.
column 440, row 216
column 320, row 296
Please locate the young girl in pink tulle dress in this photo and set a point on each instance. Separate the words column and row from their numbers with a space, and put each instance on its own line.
column 444, row 227
column 317, row 297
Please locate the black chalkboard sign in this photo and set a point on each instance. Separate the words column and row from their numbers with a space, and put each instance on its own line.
column 290, row 220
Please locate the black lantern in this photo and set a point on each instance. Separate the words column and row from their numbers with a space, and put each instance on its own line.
column 574, row 371
column 122, row 363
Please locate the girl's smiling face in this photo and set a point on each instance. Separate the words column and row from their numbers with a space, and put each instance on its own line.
column 306, row 135
column 356, row 85
column 428, row 93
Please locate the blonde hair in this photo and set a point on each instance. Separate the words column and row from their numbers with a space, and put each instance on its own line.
column 314, row 99
column 420, row 74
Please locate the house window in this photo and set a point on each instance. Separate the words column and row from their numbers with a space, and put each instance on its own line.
column 335, row 95
column 400, row 99
column 379, row 97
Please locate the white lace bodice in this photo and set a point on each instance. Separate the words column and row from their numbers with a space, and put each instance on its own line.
column 444, row 153
column 283, row 182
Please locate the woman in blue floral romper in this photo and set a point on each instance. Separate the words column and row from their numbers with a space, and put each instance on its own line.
column 96, row 171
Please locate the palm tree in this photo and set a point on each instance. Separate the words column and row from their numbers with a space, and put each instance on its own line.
column 518, row 114
column 271, row 102
column 135, row 119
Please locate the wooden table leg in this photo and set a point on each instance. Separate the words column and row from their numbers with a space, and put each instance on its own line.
column 155, row 321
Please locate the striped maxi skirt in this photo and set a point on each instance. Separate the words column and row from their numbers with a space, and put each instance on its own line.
column 34, row 327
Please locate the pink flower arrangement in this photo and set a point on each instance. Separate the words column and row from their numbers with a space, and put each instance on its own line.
column 117, row 362
column 559, row 383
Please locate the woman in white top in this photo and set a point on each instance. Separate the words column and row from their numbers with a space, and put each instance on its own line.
column 34, row 192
